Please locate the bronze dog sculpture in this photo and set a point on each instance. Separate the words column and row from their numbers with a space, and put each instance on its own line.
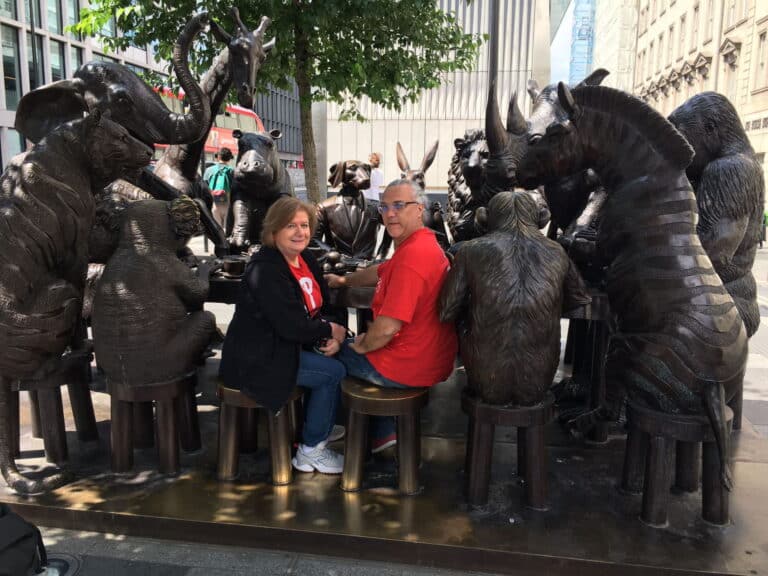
column 348, row 222
column 680, row 344
column 508, row 289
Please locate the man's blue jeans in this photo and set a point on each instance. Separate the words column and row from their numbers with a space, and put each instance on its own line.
column 321, row 376
column 357, row 365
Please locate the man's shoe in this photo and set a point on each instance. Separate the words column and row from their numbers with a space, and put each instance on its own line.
column 322, row 459
column 379, row 444
column 336, row 434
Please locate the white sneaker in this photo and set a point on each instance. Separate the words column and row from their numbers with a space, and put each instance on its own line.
column 337, row 433
column 319, row 458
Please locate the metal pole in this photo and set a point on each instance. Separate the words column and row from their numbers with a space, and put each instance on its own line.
column 34, row 43
column 493, row 45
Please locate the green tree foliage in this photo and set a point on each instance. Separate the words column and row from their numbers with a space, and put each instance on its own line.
column 337, row 50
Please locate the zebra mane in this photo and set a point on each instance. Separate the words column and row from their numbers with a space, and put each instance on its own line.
column 657, row 130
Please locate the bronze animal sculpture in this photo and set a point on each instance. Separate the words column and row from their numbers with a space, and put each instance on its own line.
column 433, row 216
column 48, row 211
column 730, row 190
column 148, row 322
column 348, row 222
column 260, row 179
column 680, row 345
column 507, row 289
column 465, row 177
column 236, row 65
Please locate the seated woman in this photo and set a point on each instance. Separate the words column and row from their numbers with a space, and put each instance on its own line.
column 278, row 321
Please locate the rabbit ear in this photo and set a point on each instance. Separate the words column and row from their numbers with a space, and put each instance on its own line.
column 430, row 157
column 402, row 161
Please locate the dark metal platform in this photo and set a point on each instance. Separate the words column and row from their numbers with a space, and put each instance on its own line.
column 589, row 528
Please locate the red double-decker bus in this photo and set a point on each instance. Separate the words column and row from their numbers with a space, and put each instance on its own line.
column 233, row 118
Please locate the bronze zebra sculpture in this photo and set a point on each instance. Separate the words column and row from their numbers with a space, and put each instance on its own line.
column 680, row 345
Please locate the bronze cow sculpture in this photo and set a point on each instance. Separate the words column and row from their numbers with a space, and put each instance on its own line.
column 680, row 345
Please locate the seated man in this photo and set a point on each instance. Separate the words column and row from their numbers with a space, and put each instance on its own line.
column 406, row 344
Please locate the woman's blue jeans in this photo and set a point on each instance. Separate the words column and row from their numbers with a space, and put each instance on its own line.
column 321, row 376
column 359, row 366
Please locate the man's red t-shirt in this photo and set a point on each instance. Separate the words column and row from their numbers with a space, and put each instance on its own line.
column 313, row 298
column 423, row 351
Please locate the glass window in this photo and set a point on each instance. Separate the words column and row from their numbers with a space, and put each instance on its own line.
column 11, row 67
column 682, row 35
column 695, row 27
column 35, row 62
column 8, row 9
column 710, row 20
column 29, row 7
column 103, row 58
column 109, row 28
column 54, row 17
column 761, row 67
column 671, row 45
column 136, row 69
column 75, row 57
column 73, row 16
column 16, row 143
column 57, row 61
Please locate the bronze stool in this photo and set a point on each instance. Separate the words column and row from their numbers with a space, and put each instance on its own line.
column 165, row 395
column 362, row 400
column 236, row 410
column 652, row 439
column 531, row 447
column 46, row 406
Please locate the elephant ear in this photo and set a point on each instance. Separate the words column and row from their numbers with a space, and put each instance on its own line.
column 50, row 106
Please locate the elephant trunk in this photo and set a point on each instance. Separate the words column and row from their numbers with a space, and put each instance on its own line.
column 241, row 214
column 184, row 128
column 10, row 472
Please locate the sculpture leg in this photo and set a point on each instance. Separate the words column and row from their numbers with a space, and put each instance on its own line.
column 189, row 426
column 229, row 440
column 598, row 335
column 143, row 415
column 521, row 448
column 279, row 430
column 52, row 420
column 687, row 460
column 408, row 452
column 34, row 413
column 657, row 480
column 535, row 468
column 354, row 451
column 82, row 410
column 714, row 495
column 249, row 430
column 634, row 460
column 121, row 434
column 167, row 437
column 477, row 467
column 14, row 423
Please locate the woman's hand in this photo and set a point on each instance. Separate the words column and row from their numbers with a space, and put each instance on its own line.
column 335, row 281
column 331, row 347
column 338, row 332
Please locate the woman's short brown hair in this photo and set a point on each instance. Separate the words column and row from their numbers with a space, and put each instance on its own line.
column 280, row 215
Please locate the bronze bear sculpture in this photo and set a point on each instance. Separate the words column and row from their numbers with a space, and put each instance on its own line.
column 148, row 322
column 47, row 213
column 507, row 290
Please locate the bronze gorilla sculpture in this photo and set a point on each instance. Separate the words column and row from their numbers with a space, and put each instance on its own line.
column 728, row 182
column 47, row 213
column 680, row 345
column 507, row 290
column 148, row 322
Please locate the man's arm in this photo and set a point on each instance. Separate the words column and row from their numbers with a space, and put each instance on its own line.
column 358, row 279
column 380, row 332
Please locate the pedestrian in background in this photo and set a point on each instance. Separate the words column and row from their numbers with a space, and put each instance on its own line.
column 377, row 178
column 219, row 180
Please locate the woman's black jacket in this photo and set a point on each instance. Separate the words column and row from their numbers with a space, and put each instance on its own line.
column 261, row 350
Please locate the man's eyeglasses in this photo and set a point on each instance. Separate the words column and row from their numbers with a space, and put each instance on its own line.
column 396, row 206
